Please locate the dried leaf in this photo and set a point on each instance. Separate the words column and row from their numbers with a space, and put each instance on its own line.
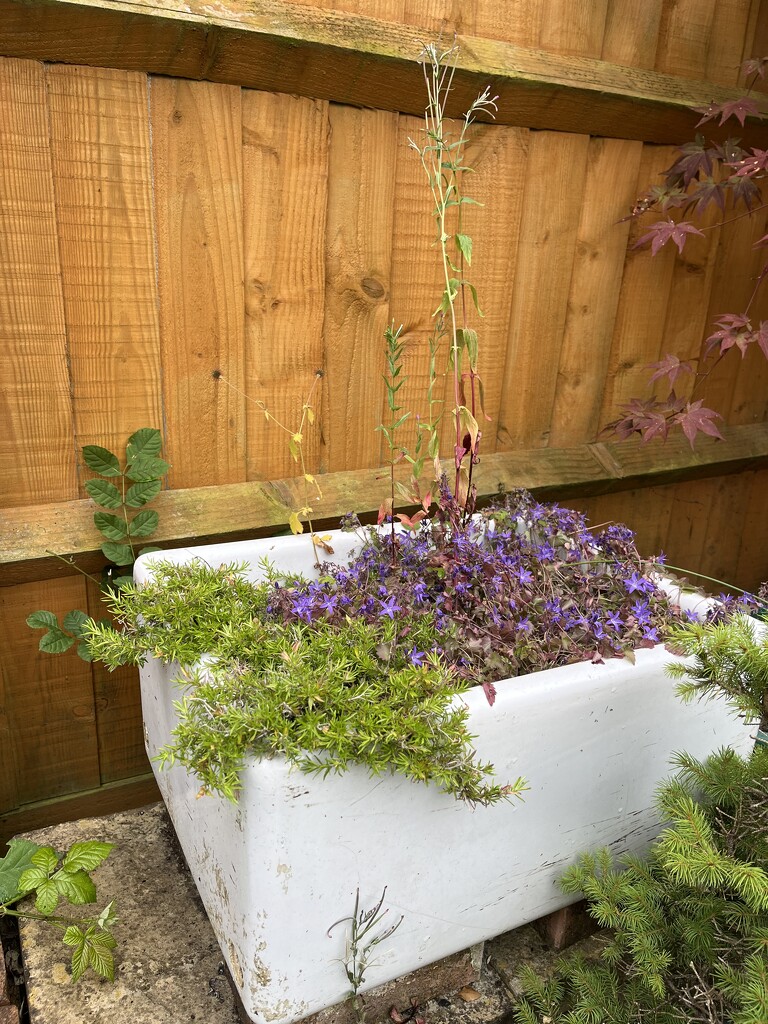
column 469, row 994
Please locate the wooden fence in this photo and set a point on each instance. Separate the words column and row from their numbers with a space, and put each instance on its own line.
column 186, row 189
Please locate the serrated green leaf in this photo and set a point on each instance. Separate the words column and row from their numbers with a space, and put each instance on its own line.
column 146, row 441
column 145, row 468
column 16, row 861
column 32, row 877
column 104, row 493
column 113, row 527
column 75, row 886
column 79, row 959
column 464, row 245
column 73, row 936
column 46, row 859
column 139, row 494
column 144, row 523
column 84, row 651
column 87, row 855
column 120, row 554
column 107, row 917
column 100, row 956
column 74, row 621
column 101, row 460
column 47, row 898
column 42, row 620
column 55, row 641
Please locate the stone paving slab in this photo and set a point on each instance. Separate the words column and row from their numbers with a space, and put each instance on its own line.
column 169, row 967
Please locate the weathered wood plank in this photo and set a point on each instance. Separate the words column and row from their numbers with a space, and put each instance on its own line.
column 103, row 183
column 198, row 515
column 36, row 452
column 285, row 183
column 280, row 47
column 358, row 261
column 632, row 32
column 595, row 285
column 197, row 158
column 48, row 701
column 554, row 192
column 119, row 796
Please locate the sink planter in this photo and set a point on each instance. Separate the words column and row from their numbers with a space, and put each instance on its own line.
column 278, row 868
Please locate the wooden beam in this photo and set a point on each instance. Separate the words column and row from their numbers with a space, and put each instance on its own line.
column 236, row 511
column 347, row 58
column 115, row 796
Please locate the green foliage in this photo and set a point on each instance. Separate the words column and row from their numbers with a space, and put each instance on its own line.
column 39, row 872
column 323, row 695
column 145, row 468
column 690, row 920
column 729, row 658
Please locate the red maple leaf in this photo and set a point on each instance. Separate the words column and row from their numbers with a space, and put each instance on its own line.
column 735, row 329
column 671, row 367
column 761, row 337
column 739, row 108
column 755, row 66
column 695, row 418
column 695, row 159
column 753, row 163
column 744, row 189
column 661, row 232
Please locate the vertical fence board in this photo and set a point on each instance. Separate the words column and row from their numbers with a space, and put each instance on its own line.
column 49, row 698
column 521, row 27
column 285, row 176
column 197, row 162
column 573, row 28
column 645, row 292
column 499, row 157
column 361, row 198
column 752, row 566
column 545, row 252
column 632, row 32
column 101, row 167
column 36, row 447
column 730, row 27
column 609, row 191
column 117, row 702
column 684, row 34
column 725, row 520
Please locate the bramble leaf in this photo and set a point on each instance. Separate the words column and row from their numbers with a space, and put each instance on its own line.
column 143, row 524
column 42, row 620
column 139, row 494
column 146, row 441
column 104, row 493
column 55, row 641
column 16, row 861
column 101, row 460
column 120, row 554
column 47, row 898
column 145, row 468
column 76, row 886
column 87, row 855
column 74, row 621
column 113, row 527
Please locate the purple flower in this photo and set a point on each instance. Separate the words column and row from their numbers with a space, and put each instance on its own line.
column 419, row 592
column 614, row 621
column 642, row 613
column 417, row 657
column 636, row 583
column 389, row 607
column 651, row 633
column 329, row 602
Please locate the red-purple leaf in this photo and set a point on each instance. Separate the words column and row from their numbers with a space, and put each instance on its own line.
column 752, row 163
column 739, row 108
column 735, row 329
column 755, row 66
column 695, row 418
column 695, row 159
column 664, row 230
column 671, row 367
column 490, row 693
column 761, row 337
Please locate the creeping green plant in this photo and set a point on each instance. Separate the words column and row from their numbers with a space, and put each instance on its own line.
column 29, row 869
column 123, row 491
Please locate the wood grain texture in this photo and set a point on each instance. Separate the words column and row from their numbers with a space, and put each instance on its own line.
column 752, row 566
column 731, row 30
column 573, row 28
column 684, row 35
column 609, row 192
column 285, row 182
column 555, row 177
column 358, row 263
column 350, row 58
column 236, row 511
column 102, row 177
column 48, row 698
column 631, row 33
column 642, row 310
column 197, row 162
column 36, row 451
column 117, row 703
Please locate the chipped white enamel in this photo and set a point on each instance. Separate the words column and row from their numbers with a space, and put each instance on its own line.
column 278, row 868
